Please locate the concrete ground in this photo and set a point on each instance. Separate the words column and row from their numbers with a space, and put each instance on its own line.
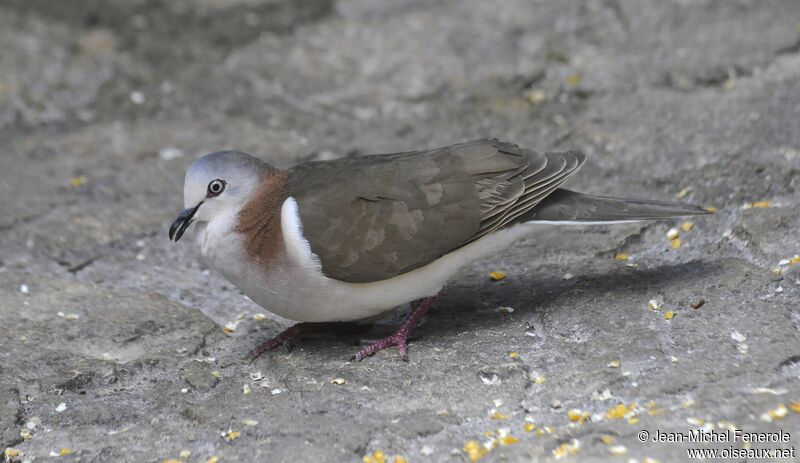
column 113, row 347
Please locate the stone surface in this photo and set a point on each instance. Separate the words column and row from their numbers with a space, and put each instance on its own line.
column 103, row 105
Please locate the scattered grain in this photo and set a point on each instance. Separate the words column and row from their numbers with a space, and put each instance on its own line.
column 566, row 449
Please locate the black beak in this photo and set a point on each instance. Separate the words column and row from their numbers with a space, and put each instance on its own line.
column 182, row 223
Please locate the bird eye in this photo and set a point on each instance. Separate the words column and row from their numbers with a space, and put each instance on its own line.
column 215, row 187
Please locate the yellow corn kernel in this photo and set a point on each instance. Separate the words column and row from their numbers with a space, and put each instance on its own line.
column 795, row 407
column 669, row 315
column 621, row 256
column 687, row 226
column 475, row 451
column 676, row 243
column 78, row 181
column 497, row 275
column 761, row 204
column 508, row 440
column 607, row 439
column 619, row 411
column 231, row 435
column 528, row 427
column 779, row 412
column 379, row 456
column 574, row 79
column 566, row 449
column 577, row 416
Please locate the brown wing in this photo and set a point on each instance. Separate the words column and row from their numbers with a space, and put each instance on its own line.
column 375, row 217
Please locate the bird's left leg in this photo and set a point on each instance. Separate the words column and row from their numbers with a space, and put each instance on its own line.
column 400, row 337
column 304, row 330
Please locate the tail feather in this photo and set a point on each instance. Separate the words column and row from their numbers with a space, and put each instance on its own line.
column 570, row 206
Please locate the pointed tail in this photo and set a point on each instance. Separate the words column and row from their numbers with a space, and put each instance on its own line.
column 573, row 207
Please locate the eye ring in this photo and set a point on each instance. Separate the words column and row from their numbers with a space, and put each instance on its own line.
column 215, row 188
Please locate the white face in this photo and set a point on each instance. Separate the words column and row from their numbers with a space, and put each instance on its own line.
column 222, row 182
column 217, row 185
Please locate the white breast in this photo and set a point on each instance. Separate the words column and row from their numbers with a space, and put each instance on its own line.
column 294, row 286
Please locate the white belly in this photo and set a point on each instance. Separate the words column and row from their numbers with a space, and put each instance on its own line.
column 294, row 286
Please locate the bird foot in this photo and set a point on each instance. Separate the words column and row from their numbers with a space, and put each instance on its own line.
column 303, row 330
column 286, row 338
column 374, row 345
column 400, row 337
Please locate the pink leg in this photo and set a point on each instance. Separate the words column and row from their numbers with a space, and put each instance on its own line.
column 400, row 337
column 303, row 330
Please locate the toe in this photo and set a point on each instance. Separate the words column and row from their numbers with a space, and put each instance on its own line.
column 403, row 348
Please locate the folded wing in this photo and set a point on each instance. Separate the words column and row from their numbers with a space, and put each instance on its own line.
column 375, row 217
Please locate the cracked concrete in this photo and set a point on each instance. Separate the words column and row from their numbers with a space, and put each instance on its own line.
column 103, row 105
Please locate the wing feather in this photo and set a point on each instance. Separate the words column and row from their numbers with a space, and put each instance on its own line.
column 375, row 217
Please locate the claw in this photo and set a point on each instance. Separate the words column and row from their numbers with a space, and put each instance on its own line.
column 291, row 335
column 285, row 338
column 399, row 338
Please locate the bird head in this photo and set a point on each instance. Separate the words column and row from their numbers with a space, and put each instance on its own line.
column 215, row 185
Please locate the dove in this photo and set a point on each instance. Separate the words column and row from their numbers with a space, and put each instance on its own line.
column 348, row 240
